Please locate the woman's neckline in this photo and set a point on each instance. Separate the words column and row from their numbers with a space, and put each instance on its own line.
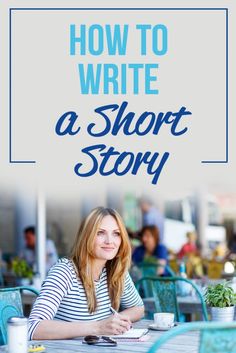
column 100, row 277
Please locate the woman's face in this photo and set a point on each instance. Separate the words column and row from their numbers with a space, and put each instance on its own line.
column 108, row 239
column 148, row 241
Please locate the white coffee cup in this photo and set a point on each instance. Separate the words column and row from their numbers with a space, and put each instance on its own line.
column 164, row 320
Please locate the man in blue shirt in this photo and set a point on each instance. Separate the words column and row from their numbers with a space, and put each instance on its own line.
column 152, row 216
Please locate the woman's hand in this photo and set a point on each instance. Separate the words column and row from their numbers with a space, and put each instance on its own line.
column 115, row 325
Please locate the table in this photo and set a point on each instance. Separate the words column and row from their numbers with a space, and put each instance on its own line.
column 185, row 343
column 190, row 304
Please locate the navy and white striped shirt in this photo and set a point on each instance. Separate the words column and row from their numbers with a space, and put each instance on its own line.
column 63, row 297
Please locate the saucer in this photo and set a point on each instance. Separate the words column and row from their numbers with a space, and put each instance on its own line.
column 159, row 328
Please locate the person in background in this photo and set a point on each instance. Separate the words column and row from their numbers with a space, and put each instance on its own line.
column 191, row 255
column 220, row 252
column 80, row 293
column 231, row 253
column 152, row 216
column 190, row 247
column 30, row 251
column 151, row 250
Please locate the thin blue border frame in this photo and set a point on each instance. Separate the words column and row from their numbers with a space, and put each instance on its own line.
column 115, row 9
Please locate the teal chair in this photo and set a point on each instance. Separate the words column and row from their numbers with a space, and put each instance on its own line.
column 215, row 337
column 11, row 305
column 164, row 291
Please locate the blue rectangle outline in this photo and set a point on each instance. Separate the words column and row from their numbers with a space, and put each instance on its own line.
column 113, row 9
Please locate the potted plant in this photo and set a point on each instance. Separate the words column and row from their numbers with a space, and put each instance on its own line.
column 222, row 299
column 22, row 270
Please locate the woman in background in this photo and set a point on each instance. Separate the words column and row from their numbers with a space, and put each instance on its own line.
column 151, row 251
column 78, row 293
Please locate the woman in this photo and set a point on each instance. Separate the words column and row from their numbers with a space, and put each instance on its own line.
column 78, row 293
column 151, row 250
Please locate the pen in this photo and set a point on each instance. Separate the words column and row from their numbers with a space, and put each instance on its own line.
column 113, row 310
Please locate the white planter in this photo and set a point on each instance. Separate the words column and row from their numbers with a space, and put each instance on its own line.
column 222, row 314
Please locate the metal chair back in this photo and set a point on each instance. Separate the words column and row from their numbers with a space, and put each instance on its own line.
column 11, row 305
column 6, row 312
column 164, row 291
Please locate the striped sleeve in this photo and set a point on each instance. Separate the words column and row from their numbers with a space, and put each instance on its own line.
column 130, row 296
column 53, row 290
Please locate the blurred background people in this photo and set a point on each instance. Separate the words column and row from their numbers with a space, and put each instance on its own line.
column 151, row 251
column 220, row 252
column 190, row 253
column 232, row 248
column 151, row 216
column 190, row 247
column 30, row 251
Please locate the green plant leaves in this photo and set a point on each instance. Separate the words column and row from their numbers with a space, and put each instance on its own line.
column 220, row 295
column 21, row 268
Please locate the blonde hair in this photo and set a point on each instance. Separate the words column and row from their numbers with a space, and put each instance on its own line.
column 83, row 255
column 192, row 236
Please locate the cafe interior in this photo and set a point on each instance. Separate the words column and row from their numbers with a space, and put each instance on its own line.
column 194, row 272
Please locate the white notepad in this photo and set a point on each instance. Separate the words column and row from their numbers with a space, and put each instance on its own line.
column 135, row 333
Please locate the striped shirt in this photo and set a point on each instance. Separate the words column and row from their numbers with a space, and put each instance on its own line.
column 63, row 297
